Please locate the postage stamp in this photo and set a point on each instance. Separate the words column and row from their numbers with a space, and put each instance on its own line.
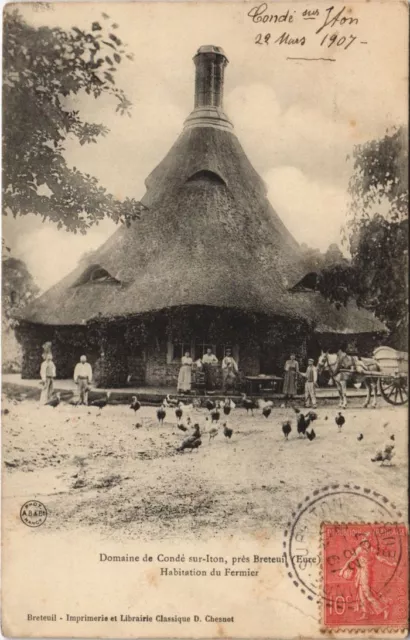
column 342, row 503
column 364, row 576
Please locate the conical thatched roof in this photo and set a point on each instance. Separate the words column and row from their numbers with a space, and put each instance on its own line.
column 209, row 237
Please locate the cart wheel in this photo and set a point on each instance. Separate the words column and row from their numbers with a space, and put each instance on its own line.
column 395, row 389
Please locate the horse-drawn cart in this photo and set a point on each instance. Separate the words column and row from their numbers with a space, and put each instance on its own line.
column 387, row 370
column 393, row 374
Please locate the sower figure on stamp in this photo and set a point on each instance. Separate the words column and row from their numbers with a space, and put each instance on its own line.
column 310, row 384
column 47, row 374
column 359, row 568
column 83, row 377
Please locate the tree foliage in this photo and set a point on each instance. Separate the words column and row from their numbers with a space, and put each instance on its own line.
column 316, row 261
column 18, row 287
column 43, row 70
column 377, row 229
column 377, row 236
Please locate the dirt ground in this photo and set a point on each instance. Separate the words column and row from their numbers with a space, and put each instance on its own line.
column 97, row 469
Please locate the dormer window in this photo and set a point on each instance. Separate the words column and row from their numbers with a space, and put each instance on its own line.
column 100, row 275
column 308, row 283
column 206, row 176
column 96, row 274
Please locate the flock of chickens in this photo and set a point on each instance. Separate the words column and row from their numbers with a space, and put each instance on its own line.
column 184, row 420
column 222, row 409
column 219, row 412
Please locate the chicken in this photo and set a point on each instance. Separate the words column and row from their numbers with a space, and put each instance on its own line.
column 266, row 411
column 196, row 430
column 170, row 402
column 138, row 425
column 5, row 412
column 248, row 403
column 228, row 406
column 286, row 428
column 360, row 437
column 340, row 420
column 216, row 413
column 135, row 404
column 193, row 441
column 101, row 402
column 213, row 433
column 210, row 405
column 227, row 431
column 161, row 414
column 385, row 455
column 296, row 410
column 302, row 424
column 54, row 402
column 311, row 435
column 196, row 444
column 190, row 443
column 178, row 413
column 182, row 427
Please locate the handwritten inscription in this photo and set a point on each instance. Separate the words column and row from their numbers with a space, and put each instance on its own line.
column 260, row 14
column 338, row 19
column 336, row 28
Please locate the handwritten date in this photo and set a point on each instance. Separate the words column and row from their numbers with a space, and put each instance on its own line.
column 329, row 40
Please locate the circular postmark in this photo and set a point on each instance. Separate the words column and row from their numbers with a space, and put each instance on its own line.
column 336, row 503
column 33, row 513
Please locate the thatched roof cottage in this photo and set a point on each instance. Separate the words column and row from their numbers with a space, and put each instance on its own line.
column 209, row 263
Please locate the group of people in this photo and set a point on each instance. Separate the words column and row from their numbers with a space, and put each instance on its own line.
column 208, row 365
column 291, row 377
column 209, row 362
column 83, row 377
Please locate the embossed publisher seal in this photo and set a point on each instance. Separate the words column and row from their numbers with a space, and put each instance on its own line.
column 33, row 513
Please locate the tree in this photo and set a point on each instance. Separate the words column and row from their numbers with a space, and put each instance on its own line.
column 43, row 70
column 377, row 229
column 18, row 289
column 312, row 258
column 334, row 256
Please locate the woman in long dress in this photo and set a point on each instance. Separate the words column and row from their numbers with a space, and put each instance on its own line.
column 209, row 362
column 291, row 375
column 185, row 373
column 229, row 372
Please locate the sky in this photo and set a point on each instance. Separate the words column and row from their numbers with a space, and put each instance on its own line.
column 297, row 120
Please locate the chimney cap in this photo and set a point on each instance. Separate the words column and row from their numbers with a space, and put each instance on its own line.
column 211, row 48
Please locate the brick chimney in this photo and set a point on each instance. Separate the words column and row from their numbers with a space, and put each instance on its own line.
column 210, row 62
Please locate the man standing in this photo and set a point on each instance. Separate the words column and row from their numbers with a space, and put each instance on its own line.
column 83, row 376
column 47, row 374
column 209, row 362
column 311, row 380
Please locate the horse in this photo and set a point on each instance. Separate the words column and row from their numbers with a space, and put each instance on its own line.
column 337, row 363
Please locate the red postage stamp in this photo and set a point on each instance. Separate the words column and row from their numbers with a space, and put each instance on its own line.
column 365, row 576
